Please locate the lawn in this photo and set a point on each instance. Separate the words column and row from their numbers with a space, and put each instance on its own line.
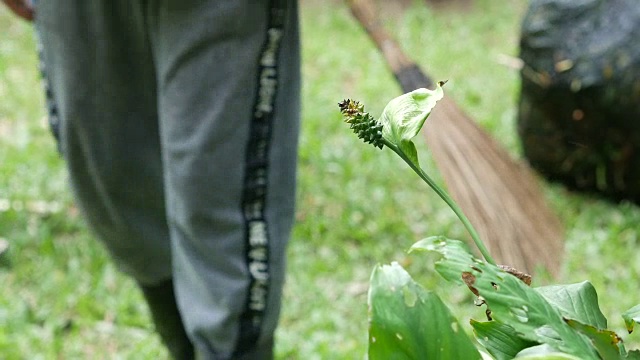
column 61, row 298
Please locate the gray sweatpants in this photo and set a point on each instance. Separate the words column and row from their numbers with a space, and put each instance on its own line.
column 178, row 120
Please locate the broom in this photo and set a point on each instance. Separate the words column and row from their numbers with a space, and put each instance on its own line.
column 500, row 197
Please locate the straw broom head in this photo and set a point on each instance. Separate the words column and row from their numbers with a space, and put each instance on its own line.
column 501, row 197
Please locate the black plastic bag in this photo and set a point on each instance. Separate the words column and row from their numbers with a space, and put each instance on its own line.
column 579, row 111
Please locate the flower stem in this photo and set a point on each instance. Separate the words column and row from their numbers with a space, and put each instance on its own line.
column 444, row 196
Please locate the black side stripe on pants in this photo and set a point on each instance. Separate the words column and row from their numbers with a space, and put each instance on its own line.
column 255, row 182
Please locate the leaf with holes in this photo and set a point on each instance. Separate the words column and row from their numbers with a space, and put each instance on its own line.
column 456, row 258
column 511, row 301
column 408, row 322
column 528, row 312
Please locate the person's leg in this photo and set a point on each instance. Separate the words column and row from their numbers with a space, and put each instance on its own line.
column 101, row 83
column 229, row 82
column 101, row 74
column 166, row 316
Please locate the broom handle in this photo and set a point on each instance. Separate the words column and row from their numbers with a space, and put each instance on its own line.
column 408, row 74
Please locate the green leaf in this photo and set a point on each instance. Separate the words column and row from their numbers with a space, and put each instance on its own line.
column 543, row 352
column 548, row 356
column 538, row 351
column 605, row 341
column 500, row 340
column 516, row 304
column 408, row 322
column 633, row 355
column 576, row 301
column 511, row 301
column 456, row 256
column 631, row 317
column 404, row 116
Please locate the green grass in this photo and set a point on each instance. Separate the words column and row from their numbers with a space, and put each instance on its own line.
column 60, row 297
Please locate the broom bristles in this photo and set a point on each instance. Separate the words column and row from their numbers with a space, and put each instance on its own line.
column 500, row 196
